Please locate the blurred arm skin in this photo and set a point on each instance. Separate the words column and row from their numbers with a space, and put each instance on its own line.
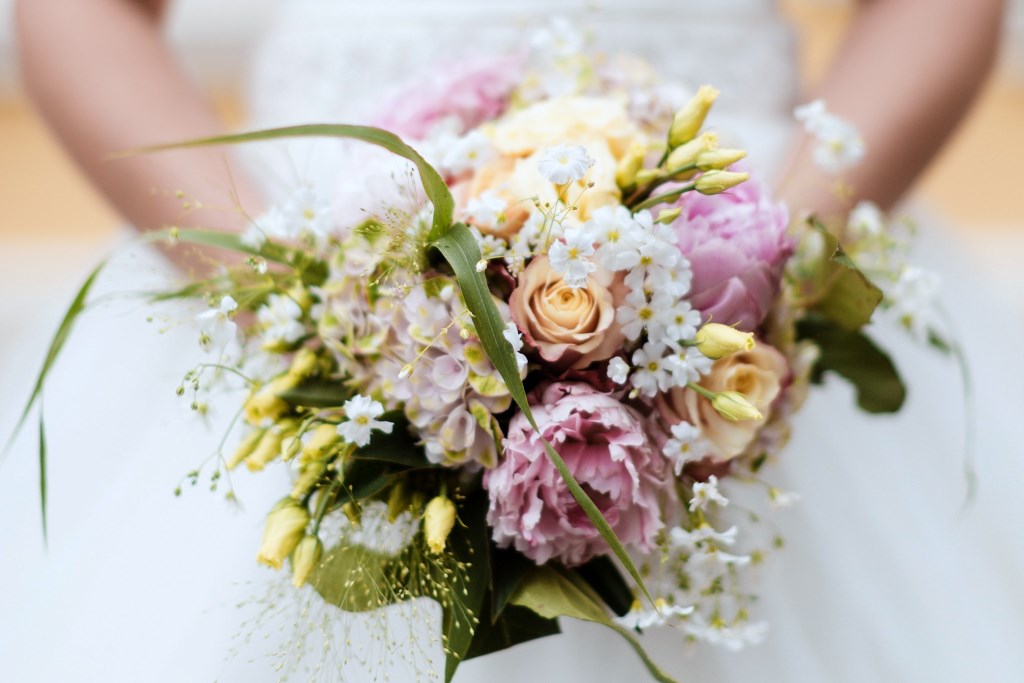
column 905, row 75
column 104, row 79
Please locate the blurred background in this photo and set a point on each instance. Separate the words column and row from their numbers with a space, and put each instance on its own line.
column 53, row 225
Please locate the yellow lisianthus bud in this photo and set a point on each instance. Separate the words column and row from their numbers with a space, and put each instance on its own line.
column 716, row 341
column 666, row 216
column 304, row 560
column 320, row 443
column 398, row 502
column 284, row 528
column 304, row 364
column 301, row 296
column 713, row 182
column 734, row 406
column 631, row 162
column 690, row 118
column 717, row 159
column 646, row 175
column 687, row 154
column 269, row 446
column 266, row 403
column 245, row 448
column 308, row 476
column 438, row 520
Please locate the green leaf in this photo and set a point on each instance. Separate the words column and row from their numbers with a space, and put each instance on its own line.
column 399, row 447
column 460, row 249
column 603, row 576
column 42, row 471
column 508, row 569
column 515, row 625
column 318, row 393
column 433, row 184
column 852, row 355
column 468, row 542
column 351, row 577
column 552, row 594
column 845, row 295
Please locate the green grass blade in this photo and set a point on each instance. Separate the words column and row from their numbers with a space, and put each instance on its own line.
column 433, row 184
column 42, row 472
column 461, row 251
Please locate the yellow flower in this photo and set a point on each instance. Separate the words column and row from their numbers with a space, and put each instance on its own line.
column 284, row 528
column 690, row 118
column 719, row 158
column 713, row 182
column 716, row 341
column 324, row 438
column 688, row 153
column 308, row 476
column 304, row 560
column 734, row 406
column 438, row 520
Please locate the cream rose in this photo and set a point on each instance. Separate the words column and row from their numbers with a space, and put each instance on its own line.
column 569, row 327
column 760, row 374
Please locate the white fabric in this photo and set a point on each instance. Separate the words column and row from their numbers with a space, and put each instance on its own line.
column 882, row 579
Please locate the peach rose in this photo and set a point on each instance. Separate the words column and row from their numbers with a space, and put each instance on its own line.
column 760, row 374
column 569, row 327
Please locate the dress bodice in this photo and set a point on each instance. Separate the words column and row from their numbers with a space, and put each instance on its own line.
column 334, row 60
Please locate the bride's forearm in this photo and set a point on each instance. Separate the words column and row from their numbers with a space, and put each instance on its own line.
column 105, row 81
column 905, row 75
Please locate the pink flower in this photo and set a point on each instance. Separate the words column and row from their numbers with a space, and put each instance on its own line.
column 471, row 91
column 737, row 246
column 605, row 446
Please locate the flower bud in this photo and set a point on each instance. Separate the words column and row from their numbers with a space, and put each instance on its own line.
column 666, row 216
column 308, row 476
column 713, row 182
column 284, row 528
column 687, row 154
column 717, row 159
column 438, row 520
column 266, row 403
column 245, row 448
column 734, row 406
column 269, row 446
column 398, row 502
column 301, row 296
column 304, row 560
column 690, row 118
column 716, row 341
column 304, row 364
column 646, row 175
column 321, row 443
column 631, row 163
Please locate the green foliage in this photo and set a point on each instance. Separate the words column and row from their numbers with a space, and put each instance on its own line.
column 842, row 293
column 852, row 355
column 552, row 593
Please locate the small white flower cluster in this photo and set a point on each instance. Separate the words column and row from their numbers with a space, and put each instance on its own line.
column 839, row 144
column 218, row 333
column 361, row 413
column 303, row 215
column 281, row 319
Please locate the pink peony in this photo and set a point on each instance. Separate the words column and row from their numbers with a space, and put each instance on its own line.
column 737, row 244
column 606, row 448
column 471, row 91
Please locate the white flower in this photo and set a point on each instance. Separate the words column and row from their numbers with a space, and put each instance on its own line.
column 688, row 539
column 688, row 365
column 360, row 419
column 217, row 328
column 639, row 618
column 674, row 281
column 487, row 209
column 559, row 40
column 705, row 493
column 732, row 638
column 514, row 337
column 866, row 220
column 637, row 313
column 303, row 214
column 281, row 319
column 782, row 499
column 913, row 299
column 618, row 370
column 617, row 235
column 684, row 446
column 680, row 321
column 839, row 145
column 564, row 163
column 651, row 375
column 569, row 257
column 468, row 153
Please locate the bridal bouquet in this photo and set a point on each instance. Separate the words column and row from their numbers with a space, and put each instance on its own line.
column 518, row 367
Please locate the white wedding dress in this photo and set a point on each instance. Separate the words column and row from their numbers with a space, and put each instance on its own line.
column 884, row 577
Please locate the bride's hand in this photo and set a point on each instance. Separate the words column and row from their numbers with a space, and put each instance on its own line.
column 905, row 75
column 104, row 79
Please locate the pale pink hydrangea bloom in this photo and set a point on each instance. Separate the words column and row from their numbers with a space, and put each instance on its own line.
column 606, row 448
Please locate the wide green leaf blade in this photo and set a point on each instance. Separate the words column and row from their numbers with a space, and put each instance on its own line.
column 551, row 594
column 853, row 355
column 460, row 249
column 845, row 296
column 468, row 542
column 433, row 184
column 515, row 625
